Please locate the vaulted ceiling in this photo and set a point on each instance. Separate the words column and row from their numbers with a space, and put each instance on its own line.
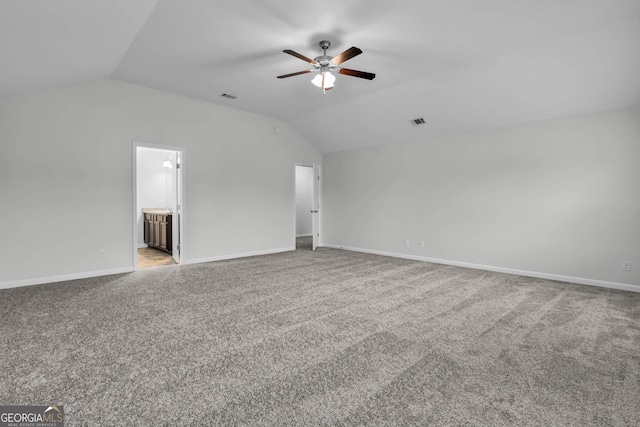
column 460, row 64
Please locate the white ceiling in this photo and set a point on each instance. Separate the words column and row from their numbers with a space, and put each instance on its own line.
column 460, row 64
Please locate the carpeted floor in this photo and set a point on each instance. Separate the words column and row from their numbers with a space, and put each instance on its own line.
column 304, row 243
column 322, row 338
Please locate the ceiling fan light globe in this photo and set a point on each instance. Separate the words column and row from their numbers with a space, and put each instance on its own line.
column 317, row 80
column 329, row 80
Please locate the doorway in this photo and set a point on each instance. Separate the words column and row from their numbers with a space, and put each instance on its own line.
column 306, row 207
column 158, row 207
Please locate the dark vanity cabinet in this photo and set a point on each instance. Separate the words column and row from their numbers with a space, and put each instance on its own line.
column 157, row 231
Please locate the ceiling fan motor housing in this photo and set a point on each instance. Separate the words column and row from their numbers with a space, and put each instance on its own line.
column 323, row 62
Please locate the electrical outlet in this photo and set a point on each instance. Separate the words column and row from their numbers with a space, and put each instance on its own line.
column 421, row 243
column 626, row 265
column 406, row 242
column 102, row 254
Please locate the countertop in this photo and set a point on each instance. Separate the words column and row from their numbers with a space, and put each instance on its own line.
column 157, row 211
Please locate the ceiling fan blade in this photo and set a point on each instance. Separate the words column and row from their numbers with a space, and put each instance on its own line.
column 297, row 55
column 346, row 55
column 284, row 76
column 356, row 73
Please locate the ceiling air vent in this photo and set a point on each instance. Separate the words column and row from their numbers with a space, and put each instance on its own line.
column 226, row 95
column 417, row 122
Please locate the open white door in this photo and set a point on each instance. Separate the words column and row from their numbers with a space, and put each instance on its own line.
column 315, row 214
column 173, row 194
column 177, row 214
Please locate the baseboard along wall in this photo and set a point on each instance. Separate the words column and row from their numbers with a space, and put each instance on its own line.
column 239, row 255
column 577, row 280
column 89, row 274
column 63, row 277
column 559, row 278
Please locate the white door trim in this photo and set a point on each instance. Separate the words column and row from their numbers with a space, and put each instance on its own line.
column 134, row 244
column 316, row 200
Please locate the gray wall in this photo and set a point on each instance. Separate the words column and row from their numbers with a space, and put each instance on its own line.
column 66, row 182
column 555, row 199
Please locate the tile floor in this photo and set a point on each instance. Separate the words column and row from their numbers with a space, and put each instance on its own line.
column 148, row 257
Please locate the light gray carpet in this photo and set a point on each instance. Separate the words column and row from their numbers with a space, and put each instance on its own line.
column 324, row 338
column 304, row 243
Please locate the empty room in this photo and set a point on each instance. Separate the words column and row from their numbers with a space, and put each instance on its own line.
column 278, row 212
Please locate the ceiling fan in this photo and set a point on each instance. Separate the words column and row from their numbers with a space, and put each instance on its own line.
column 325, row 64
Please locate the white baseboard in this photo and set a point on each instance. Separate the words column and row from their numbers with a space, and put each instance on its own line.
column 559, row 278
column 240, row 255
column 63, row 278
column 304, row 235
column 142, row 245
column 85, row 275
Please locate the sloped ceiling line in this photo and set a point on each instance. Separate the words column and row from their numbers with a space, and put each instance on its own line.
column 460, row 64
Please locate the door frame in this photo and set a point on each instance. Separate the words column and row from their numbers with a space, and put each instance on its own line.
column 181, row 191
column 318, row 199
